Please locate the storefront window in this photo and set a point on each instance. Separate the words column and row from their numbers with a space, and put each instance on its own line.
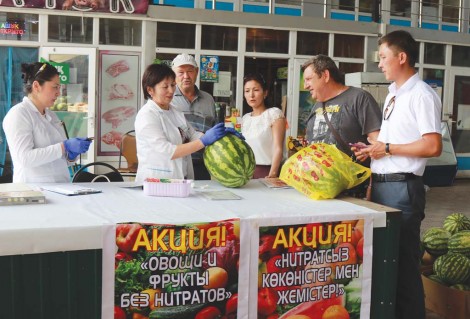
column 347, row 5
column 228, row 74
column 349, row 46
column 350, row 67
column 70, row 29
column 460, row 56
column 176, row 35
column 17, row 26
column 312, row 43
column 290, row 2
column 430, row 10
column 219, row 38
column 450, row 11
column 121, row 32
column 166, row 58
column 400, row 8
column 434, row 53
column 222, row 97
column 266, row 40
column 366, row 6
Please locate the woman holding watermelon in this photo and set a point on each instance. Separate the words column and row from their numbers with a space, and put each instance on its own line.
column 263, row 128
column 165, row 139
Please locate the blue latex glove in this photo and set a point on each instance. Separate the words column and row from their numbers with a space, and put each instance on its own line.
column 75, row 146
column 71, row 155
column 213, row 134
column 233, row 131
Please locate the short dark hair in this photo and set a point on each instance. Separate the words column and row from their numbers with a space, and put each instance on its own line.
column 322, row 63
column 258, row 77
column 154, row 74
column 402, row 41
column 37, row 71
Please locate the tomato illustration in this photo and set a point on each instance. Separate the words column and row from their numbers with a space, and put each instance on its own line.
column 267, row 301
column 119, row 313
column 231, row 305
column 210, row 312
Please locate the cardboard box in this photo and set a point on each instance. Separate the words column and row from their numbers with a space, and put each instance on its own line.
column 447, row 302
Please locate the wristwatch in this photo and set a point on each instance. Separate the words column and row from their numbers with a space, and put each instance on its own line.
column 387, row 149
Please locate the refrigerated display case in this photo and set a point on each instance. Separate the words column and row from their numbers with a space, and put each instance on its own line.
column 441, row 170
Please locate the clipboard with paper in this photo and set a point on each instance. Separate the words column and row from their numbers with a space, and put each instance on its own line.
column 70, row 189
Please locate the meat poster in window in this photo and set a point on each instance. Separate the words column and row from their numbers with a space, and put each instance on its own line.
column 118, row 99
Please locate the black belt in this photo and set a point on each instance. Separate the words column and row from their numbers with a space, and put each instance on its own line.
column 395, row 177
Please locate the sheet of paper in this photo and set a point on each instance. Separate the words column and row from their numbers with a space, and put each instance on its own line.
column 15, row 187
column 275, row 183
column 219, row 195
column 70, row 189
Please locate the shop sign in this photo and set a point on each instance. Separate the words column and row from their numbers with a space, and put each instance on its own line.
column 11, row 28
column 63, row 68
column 114, row 6
column 209, row 68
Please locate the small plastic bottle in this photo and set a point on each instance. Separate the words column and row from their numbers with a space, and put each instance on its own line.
column 228, row 117
column 236, row 119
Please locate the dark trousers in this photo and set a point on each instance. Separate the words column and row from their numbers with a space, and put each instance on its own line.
column 200, row 170
column 409, row 197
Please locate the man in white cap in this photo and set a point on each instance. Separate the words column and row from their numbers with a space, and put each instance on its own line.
column 198, row 106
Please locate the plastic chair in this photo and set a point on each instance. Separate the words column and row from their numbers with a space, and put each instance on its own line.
column 128, row 150
column 83, row 176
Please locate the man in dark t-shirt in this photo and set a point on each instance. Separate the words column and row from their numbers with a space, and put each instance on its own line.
column 352, row 112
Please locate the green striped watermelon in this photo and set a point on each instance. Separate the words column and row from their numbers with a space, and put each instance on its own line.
column 456, row 222
column 460, row 243
column 437, row 279
column 230, row 161
column 452, row 268
column 435, row 241
column 461, row 287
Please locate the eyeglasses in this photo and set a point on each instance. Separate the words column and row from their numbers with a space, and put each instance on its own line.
column 389, row 109
column 40, row 69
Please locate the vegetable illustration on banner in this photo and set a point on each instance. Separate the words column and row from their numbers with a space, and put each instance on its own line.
column 311, row 270
column 177, row 271
column 209, row 68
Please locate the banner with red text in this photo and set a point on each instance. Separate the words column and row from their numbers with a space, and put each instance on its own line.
column 114, row 6
column 314, row 270
column 177, row 271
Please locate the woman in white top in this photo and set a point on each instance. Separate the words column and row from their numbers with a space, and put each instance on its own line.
column 263, row 128
column 165, row 140
column 39, row 149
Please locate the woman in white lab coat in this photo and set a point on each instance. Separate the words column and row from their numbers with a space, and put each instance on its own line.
column 165, row 140
column 39, row 149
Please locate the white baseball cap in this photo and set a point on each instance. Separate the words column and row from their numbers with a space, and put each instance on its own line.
column 184, row 59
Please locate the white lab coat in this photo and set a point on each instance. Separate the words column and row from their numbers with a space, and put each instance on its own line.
column 158, row 133
column 35, row 145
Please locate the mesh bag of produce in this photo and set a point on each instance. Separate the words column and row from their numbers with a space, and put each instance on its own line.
column 321, row 171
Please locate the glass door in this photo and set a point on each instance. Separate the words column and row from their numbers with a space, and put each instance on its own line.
column 458, row 111
column 76, row 104
column 302, row 102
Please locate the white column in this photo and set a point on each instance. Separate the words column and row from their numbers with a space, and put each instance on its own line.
column 464, row 16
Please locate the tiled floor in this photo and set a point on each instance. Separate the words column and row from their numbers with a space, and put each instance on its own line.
column 441, row 201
